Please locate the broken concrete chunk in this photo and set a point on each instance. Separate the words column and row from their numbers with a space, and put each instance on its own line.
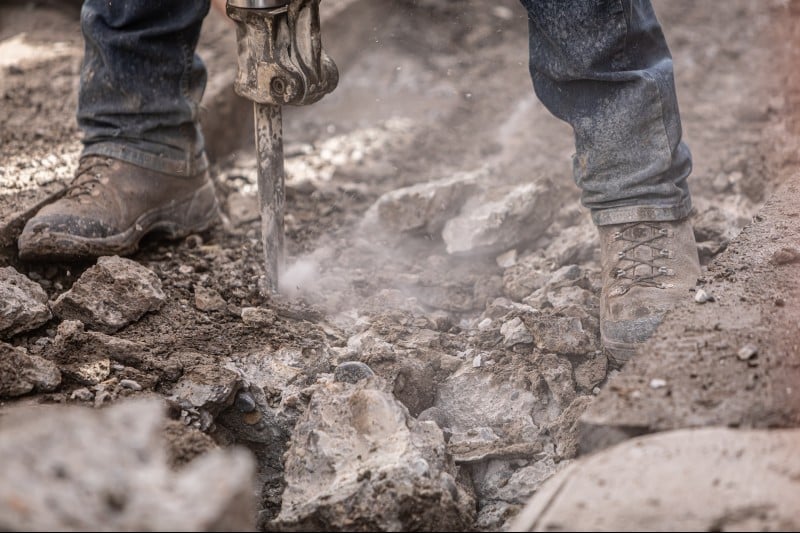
column 23, row 303
column 206, row 299
column 515, row 332
column 205, row 391
column 110, row 295
column 71, row 468
column 473, row 399
column 563, row 335
column 358, row 461
column 21, row 373
column 84, row 357
column 426, row 207
column 522, row 215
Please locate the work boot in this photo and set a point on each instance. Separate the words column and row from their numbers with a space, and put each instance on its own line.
column 648, row 268
column 110, row 205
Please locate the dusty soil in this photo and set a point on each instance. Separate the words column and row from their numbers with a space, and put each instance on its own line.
column 426, row 91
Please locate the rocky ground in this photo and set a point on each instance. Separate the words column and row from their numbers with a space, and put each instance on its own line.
column 437, row 341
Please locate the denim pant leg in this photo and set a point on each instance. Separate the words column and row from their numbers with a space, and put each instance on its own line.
column 141, row 83
column 604, row 67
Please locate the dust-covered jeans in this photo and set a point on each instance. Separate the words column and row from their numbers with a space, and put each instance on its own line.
column 601, row 65
column 141, row 83
column 604, row 67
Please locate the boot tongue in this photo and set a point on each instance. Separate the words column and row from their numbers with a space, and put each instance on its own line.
column 642, row 252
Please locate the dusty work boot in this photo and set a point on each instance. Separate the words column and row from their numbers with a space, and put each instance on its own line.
column 648, row 268
column 110, row 205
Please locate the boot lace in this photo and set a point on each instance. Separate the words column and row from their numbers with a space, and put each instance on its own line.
column 88, row 176
column 627, row 266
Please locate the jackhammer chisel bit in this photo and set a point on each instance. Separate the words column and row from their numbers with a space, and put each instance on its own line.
column 281, row 62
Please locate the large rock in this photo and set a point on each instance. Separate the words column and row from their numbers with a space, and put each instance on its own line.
column 712, row 479
column 23, row 303
column 74, row 469
column 522, row 215
column 110, row 295
column 488, row 417
column 359, row 462
column 426, row 207
column 21, row 373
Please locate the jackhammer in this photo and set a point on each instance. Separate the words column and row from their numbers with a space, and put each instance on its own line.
column 280, row 62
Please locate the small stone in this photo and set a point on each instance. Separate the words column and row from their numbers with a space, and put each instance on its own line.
column 21, row 373
column 785, row 256
column 507, row 259
column 258, row 316
column 244, row 402
column 596, row 391
column 748, row 351
column 83, row 394
column 185, row 269
column 658, row 383
column 701, row 296
column 484, row 324
column 208, row 299
column 477, row 361
column 515, row 332
column 130, row 384
column 352, row 372
column 101, row 398
column 23, row 303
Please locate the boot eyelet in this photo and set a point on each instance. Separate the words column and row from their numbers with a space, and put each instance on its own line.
column 663, row 231
column 621, row 255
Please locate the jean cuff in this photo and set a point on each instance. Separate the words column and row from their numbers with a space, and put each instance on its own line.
column 188, row 166
column 641, row 213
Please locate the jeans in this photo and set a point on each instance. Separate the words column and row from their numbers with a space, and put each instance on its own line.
column 603, row 66
column 141, row 83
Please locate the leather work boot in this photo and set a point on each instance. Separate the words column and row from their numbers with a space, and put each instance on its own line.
column 648, row 268
column 110, row 205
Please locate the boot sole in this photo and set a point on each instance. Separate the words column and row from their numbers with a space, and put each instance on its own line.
column 197, row 212
column 618, row 353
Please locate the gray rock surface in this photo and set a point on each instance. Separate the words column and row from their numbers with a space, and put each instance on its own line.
column 21, row 373
column 75, row 469
column 522, row 215
column 495, row 423
column 77, row 358
column 563, row 335
column 359, row 462
column 427, row 206
column 23, row 303
column 712, row 479
column 110, row 295
column 204, row 392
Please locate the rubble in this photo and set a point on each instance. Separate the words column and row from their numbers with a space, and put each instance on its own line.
column 427, row 206
column 110, row 295
column 21, row 373
column 358, row 462
column 730, row 479
column 522, row 215
column 23, row 304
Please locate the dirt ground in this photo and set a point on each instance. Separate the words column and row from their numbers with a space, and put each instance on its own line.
column 428, row 90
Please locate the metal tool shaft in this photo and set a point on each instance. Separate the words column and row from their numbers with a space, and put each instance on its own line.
column 269, row 151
